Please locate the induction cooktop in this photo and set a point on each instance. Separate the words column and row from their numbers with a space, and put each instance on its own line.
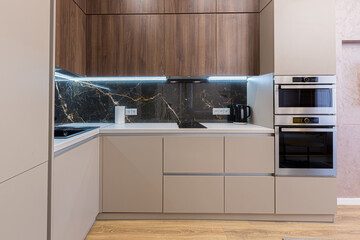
column 190, row 124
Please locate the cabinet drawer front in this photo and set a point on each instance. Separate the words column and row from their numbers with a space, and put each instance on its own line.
column 193, row 194
column 305, row 195
column 250, row 154
column 132, row 174
column 249, row 195
column 193, row 154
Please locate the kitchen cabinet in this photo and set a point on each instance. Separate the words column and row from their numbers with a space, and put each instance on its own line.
column 190, row 45
column 132, row 174
column 249, row 195
column 75, row 192
column 305, row 37
column 249, row 154
column 23, row 205
column 81, row 4
column 70, row 52
column 125, row 45
column 193, row 154
column 124, row 6
column 190, row 6
column 238, row 44
column 238, row 6
column 193, row 194
column 305, row 195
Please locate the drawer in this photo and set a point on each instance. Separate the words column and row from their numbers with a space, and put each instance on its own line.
column 249, row 195
column 249, row 154
column 194, row 194
column 194, row 154
column 306, row 195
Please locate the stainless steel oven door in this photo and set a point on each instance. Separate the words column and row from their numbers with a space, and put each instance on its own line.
column 305, row 99
column 305, row 151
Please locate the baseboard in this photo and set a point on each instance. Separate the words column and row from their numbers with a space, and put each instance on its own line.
column 348, row 201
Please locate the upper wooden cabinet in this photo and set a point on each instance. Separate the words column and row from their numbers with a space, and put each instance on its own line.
column 238, row 5
column 238, row 44
column 190, row 6
column 304, row 37
column 125, row 45
column 124, row 6
column 190, row 45
column 70, row 52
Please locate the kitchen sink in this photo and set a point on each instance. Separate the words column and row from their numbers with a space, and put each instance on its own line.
column 67, row 132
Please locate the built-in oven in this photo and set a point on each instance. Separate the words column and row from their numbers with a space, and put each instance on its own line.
column 305, row 95
column 305, row 145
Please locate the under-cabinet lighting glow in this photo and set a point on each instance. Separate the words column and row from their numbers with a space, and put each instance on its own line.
column 63, row 77
column 227, row 78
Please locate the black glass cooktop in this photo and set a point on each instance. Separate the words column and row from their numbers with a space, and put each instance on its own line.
column 190, row 124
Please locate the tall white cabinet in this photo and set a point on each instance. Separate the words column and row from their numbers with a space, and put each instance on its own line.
column 297, row 37
column 24, row 123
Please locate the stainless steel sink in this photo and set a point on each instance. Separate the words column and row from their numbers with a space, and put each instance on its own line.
column 67, row 132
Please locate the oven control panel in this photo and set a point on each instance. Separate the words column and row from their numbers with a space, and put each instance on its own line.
column 306, row 120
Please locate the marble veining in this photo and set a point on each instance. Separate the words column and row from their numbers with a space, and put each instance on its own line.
column 84, row 102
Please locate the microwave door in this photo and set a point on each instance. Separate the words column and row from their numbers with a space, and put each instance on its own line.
column 305, row 99
column 305, row 151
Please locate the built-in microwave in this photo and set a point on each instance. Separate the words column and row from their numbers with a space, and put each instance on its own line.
column 305, row 145
column 305, row 95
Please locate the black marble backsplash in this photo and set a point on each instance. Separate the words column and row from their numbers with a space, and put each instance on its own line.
column 155, row 101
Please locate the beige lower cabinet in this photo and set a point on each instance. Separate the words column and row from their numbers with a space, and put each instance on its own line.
column 75, row 194
column 193, row 194
column 249, row 195
column 306, row 195
column 249, row 154
column 193, row 154
column 23, row 205
column 132, row 174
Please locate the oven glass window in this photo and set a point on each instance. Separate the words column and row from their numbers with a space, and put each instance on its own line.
column 306, row 150
column 305, row 98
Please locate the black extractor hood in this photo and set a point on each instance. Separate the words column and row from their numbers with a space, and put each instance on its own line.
column 187, row 79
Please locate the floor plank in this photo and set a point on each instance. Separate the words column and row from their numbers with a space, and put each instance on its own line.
column 346, row 227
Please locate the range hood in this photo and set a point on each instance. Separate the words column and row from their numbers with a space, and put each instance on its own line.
column 187, row 79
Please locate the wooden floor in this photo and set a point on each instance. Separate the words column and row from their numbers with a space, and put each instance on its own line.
column 346, row 226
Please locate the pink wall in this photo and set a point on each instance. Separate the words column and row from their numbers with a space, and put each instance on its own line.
column 348, row 97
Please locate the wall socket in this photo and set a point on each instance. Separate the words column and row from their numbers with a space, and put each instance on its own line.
column 131, row 111
column 221, row 111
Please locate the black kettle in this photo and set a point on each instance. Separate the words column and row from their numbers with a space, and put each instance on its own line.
column 241, row 113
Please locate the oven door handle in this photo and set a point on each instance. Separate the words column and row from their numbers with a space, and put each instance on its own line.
column 307, row 130
column 307, row 87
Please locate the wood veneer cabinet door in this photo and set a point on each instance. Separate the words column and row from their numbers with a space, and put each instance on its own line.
column 70, row 52
column 193, row 154
column 238, row 44
column 190, row 6
column 250, row 154
column 193, row 194
column 238, row 5
column 125, row 45
column 132, row 174
column 249, row 195
column 124, row 6
column 190, row 43
column 306, row 195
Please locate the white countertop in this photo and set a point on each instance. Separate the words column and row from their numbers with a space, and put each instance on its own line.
column 157, row 128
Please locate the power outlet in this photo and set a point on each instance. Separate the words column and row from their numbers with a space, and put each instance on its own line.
column 131, row 111
column 221, row 111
